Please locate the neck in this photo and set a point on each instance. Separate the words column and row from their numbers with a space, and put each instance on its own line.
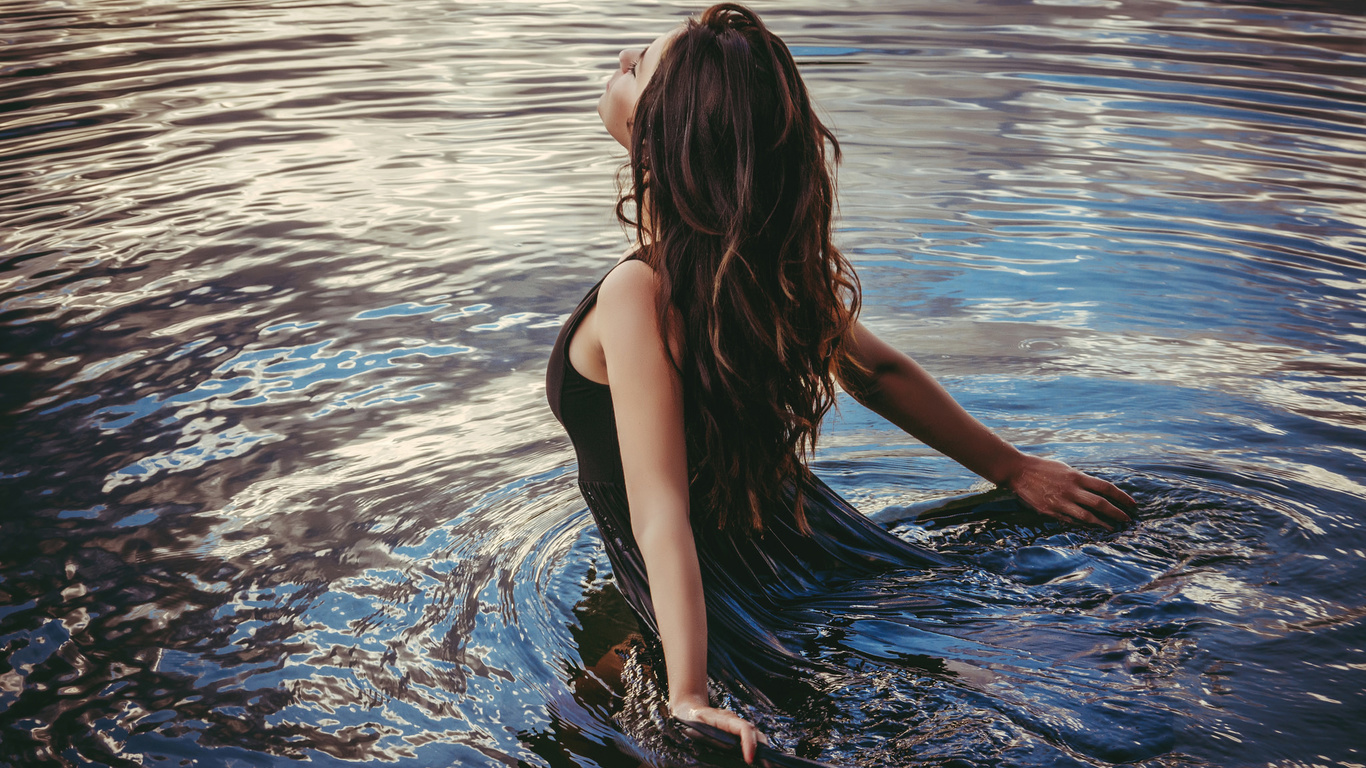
column 644, row 234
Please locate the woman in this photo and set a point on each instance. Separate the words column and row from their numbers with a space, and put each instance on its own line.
column 693, row 378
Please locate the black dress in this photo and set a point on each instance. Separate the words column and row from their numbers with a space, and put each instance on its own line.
column 747, row 580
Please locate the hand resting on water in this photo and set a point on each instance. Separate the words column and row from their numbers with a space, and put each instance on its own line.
column 1055, row 490
column 696, row 710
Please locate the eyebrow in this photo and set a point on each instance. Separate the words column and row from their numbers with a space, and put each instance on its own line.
column 643, row 51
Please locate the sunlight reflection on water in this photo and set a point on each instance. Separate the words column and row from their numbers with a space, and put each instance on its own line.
column 279, row 281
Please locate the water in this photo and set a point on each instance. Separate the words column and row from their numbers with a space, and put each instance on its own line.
column 279, row 480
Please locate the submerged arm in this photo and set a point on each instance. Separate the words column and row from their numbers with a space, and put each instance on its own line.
column 897, row 388
column 647, row 398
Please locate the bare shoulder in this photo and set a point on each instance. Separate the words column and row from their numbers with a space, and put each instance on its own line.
column 628, row 292
column 627, row 300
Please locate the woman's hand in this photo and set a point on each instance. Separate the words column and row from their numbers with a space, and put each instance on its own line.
column 1056, row 490
column 698, row 710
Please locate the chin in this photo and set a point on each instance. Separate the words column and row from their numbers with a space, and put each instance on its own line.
column 607, row 127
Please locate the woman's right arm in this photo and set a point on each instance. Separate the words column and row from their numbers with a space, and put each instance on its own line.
column 897, row 388
column 647, row 399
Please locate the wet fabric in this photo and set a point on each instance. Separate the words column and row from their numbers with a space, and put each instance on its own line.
column 754, row 647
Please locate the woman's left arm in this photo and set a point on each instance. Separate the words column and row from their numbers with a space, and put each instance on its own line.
column 898, row 389
column 647, row 403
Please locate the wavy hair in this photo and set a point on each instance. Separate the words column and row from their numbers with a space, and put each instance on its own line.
column 734, row 192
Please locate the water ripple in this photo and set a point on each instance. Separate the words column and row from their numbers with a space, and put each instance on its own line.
column 277, row 283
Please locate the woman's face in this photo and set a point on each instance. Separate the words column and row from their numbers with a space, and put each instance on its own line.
column 617, row 107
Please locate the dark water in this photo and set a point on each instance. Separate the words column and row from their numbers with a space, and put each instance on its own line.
column 279, row 481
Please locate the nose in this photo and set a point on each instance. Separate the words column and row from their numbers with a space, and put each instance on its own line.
column 626, row 58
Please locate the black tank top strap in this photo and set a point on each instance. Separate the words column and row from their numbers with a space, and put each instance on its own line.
column 572, row 324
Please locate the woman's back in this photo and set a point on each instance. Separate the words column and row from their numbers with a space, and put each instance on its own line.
column 747, row 578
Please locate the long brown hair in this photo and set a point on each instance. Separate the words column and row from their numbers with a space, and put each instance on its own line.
column 729, row 163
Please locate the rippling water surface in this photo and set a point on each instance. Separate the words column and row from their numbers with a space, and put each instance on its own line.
column 279, row 481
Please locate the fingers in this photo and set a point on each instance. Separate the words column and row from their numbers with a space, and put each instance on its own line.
column 1084, row 508
column 1109, row 491
column 728, row 721
column 1091, row 509
column 1099, row 504
column 1093, row 501
column 1076, row 513
column 1065, row 494
column 747, row 742
column 1072, row 507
